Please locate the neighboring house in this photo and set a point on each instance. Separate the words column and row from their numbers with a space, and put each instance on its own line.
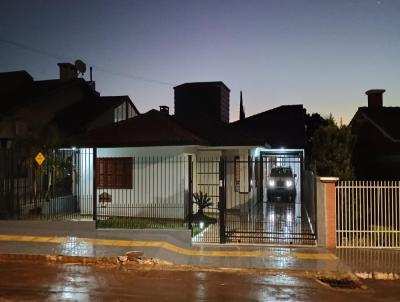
column 376, row 128
column 38, row 115
column 69, row 104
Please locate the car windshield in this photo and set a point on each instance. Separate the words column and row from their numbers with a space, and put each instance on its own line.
column 281, row 172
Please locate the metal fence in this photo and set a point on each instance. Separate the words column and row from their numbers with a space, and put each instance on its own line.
column 47, row 191
column 368, row 214
column 243, row 210
column 221, row 200
column 153, row 193
column 83, row 184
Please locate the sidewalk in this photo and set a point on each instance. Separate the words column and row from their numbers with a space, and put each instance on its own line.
column 107, row 244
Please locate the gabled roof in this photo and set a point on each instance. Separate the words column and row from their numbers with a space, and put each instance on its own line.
column 119, row 99
column 29, row 93
column 85, row 111
column 152, row 128
column 283, row 126
column 385, row 119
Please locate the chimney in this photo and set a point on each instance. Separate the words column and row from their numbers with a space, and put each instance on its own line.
column 68, row 71
column 375, row 98
column 164, row 109
column 199, row 99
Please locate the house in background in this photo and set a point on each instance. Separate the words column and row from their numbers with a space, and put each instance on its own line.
column 38, row 115
column 68, row 105
column 376, row 128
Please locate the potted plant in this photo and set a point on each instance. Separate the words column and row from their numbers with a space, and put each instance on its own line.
column 202, row 201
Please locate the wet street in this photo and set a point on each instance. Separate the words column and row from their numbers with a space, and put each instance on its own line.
column 27, row 281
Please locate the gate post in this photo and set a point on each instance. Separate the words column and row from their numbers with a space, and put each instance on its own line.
column 222, row 201
column 94, row 186
column 261, row 180
column 190, row 192
column 326, row 211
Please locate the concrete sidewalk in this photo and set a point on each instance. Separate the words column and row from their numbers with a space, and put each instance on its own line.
column 174, row 246
column 307, row 259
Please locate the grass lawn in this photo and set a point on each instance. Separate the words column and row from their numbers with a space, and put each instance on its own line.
column 140, row 223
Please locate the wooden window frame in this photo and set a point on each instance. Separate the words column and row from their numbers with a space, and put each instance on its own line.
column 114, row 172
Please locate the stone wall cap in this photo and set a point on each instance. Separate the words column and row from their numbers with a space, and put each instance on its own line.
column 329, row 179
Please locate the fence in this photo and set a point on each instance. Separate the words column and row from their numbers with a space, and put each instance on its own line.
column 32, row 191
column 122, row 189
column 145, row 192
column 368, row 214
column 79, row 184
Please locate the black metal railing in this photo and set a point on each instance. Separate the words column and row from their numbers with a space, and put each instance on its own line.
column 119, row 189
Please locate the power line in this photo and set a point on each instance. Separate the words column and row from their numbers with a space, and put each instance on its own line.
column 96, row 67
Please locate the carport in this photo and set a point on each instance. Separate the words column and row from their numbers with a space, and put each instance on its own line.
column 285, row 215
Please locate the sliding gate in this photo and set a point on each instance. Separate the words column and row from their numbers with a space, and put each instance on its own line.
column 242, row 208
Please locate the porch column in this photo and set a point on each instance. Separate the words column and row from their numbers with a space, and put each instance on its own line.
column 326, row 211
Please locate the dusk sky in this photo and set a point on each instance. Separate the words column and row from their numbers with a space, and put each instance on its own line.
column 322, row 54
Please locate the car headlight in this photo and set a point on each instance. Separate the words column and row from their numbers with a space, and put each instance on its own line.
column 271, row 183
column 289, row 183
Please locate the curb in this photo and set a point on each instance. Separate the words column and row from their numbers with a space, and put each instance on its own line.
column 144, row 263
column 59, row 258
column 154, row 263
column 377, row 276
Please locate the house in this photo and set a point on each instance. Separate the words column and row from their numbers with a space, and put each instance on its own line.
column 154, row 141
column 199, row 130
column 376, row 128
column 38, row 115
column 68, row 106
column 142, row 171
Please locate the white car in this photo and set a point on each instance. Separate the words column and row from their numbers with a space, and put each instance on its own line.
column 281, row 183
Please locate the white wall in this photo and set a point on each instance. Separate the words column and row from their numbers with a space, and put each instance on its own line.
column 159, row 184
column 160, row 181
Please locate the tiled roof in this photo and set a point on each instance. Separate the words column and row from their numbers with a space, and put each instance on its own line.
column 152, row 128
column 283, row 126
column 386, row 119
column 218, row 133
column 74, row 119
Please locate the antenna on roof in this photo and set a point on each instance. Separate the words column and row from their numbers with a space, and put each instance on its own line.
column 80, row 66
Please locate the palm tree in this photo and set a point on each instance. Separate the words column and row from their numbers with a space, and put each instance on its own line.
column 203, row 202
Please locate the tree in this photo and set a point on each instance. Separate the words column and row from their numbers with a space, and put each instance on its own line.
column 313, row 122
column 55, row 170
column 331, row 152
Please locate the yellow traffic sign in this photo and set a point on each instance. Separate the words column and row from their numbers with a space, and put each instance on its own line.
column 39, row 158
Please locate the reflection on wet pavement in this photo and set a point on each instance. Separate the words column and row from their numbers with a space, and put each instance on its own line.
column 283, row 223
column 25, row 282
column 74, row 246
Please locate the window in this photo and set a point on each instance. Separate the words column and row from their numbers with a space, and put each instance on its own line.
column 114, row 173
column 120, row 113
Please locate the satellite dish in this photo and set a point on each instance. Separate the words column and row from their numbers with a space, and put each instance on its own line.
column 80, row 66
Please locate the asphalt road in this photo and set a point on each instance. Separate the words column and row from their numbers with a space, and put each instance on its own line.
column 27, row 281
